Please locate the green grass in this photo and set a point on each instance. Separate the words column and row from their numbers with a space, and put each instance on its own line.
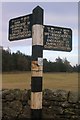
column 22, row 80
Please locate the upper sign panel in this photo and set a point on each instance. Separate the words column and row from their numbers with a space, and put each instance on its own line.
column 20, row 28
column 57, row 38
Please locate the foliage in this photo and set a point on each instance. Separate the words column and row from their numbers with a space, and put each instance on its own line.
column 21, row 62
column 15, row 61
column 58, row 66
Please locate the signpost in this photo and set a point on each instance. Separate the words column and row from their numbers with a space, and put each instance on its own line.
column 43, row 38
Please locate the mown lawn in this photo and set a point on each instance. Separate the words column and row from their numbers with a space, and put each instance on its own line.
column 22, row 80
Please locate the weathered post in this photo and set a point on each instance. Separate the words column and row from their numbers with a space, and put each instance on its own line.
column 37, row 63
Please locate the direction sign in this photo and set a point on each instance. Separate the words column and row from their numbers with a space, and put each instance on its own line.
column 57, row 38
column 20, row 27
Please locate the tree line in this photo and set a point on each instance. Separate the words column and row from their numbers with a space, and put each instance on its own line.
column 21, row 62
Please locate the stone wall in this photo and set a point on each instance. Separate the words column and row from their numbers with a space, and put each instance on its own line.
column 57, row 105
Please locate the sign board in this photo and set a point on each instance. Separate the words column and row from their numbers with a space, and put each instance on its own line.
column 57, row 38
column 20, row 28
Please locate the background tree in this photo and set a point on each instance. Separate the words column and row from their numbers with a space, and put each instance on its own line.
column 68, row 67
column 21, row 62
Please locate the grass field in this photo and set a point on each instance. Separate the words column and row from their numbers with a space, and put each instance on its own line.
column 66, row 81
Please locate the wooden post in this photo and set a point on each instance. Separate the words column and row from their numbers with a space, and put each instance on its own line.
column 37, row 63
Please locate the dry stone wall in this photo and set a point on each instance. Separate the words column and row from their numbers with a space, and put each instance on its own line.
column 57, row 105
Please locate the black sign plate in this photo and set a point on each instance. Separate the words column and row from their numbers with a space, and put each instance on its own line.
column 57, row 38
column 20, row 28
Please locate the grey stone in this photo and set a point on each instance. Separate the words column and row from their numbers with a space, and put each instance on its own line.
column 17, row 94
column 57, row 104
column 73, row 97
column 26, row 113
column 65, row 104
column 16, row 105
column 9, row 112
column 4, row 93
column 55, row 95
column 60, row 95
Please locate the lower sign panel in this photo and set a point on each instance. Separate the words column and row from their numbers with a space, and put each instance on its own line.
column 57, row 38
